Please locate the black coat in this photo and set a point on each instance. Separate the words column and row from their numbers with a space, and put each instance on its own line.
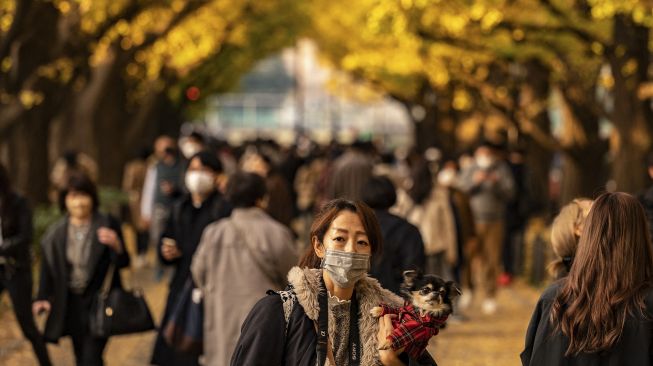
column 263, row 340
column 55, row 270
column 185, row 225
column 403, row 249
column 547, row 347
column 17, row 233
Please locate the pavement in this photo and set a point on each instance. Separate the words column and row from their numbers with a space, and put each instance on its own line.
column 481, row 340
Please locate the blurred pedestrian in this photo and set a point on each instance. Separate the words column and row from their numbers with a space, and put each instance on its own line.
column 71, row 162
column 279, row 203
column 190, row 215
column 252, row 250
column 565, row 234
column 16, row 262
column 163, row 185
column 192, row 144
column 77, row 252
column 325, row 311
column 132, row 184
column 430, row 209
column 403, row 248
column 600, row 314
column 489, row 183
column 350, row 172
column 466, row 240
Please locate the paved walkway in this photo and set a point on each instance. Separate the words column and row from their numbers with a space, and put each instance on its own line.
column 480, row 341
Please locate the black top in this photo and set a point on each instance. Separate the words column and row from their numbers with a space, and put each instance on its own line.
column 17, row 232
column 545, row 347
column 55, row 270
column 403, row 249
column 264, row 340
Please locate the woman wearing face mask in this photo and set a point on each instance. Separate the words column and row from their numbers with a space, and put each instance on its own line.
column 324, row 315
column 77, row 252
column 189, row 216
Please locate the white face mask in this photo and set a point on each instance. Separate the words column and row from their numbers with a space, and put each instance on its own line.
column 345, row 268
column 189, row 149
column 484, row 161
column 199, row 182
column 446, row 177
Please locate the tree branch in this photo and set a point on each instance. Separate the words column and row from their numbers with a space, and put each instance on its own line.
column 22, row 9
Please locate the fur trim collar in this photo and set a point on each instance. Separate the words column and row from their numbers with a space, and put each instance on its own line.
column 306, row 284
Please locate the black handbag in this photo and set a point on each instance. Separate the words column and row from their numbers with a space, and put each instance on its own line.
column 184, row 330
column 116, row 311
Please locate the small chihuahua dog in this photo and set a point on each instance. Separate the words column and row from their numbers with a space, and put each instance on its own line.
column 428, row 305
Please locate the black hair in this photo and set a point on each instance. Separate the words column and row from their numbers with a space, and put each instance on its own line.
column 197, row 137
column 649, row 160
column 209, row 160
column 422, row 183
column 245, row 189
column 70, row 157
column 6, row 198
column 379, row 193
column 79, row 182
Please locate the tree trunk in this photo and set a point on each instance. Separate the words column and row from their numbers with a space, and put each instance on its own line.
column 28, row 157
column 631, row 116
column 584, row 170
column 534, row 96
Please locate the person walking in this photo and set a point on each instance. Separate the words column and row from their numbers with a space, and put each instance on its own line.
column 488, row 182
column 251, row 249
column 190, row 215
column 16, row 262
column 132, row 184
column 324, row 314
column 403, row 248
column 77, row 252
column 600, row 314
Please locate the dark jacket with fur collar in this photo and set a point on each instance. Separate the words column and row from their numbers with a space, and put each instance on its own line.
column 264, row 340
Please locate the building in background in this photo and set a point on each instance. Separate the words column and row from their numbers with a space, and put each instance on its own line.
column 292, row 92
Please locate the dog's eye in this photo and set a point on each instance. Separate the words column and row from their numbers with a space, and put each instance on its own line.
column 425, row 291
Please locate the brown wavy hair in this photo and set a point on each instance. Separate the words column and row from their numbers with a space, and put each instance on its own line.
column 612, row 268
column 325, row 217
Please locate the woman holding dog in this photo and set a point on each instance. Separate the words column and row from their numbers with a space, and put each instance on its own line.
column 324, row 315
column 601, row 313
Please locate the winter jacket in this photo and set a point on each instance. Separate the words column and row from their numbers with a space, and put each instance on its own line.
column 55, row 270
column 266, row 338
column 489, row 199
column 403, row 249
column 546, row 346
column 238, row 258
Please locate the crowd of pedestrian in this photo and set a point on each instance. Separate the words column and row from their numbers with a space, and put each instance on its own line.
column 226, row 224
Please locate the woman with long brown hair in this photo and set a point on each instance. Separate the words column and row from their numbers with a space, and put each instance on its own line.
column 601, row 313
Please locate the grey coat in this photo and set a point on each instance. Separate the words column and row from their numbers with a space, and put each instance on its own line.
column 233, row 277
column 488, row 199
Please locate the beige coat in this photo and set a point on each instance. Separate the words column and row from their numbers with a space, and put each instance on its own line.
column 233, row 278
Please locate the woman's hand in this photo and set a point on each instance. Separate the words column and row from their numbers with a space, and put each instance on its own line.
column 388, row 357
column 41, row 306
column 169, row 249
column 109, row 238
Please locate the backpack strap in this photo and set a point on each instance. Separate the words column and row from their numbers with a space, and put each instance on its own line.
column 288, row 300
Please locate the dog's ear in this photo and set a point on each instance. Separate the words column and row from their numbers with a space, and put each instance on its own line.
column 453, row 289
column 410, row 276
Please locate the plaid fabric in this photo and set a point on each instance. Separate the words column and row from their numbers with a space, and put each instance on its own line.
column 411, row 330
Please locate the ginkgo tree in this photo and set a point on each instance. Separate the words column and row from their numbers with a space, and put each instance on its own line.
column 105, row 76
column 455, row 57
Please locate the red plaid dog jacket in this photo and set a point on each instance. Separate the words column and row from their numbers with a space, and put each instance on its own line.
column 412, row 330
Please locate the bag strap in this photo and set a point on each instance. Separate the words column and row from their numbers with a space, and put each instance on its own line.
column 108, row 280
column 256, row 256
